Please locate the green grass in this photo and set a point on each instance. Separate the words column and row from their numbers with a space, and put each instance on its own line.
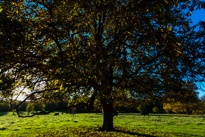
column 126, row 124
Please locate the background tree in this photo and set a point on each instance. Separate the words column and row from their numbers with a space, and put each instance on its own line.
column 198, row 108
column 30, row 108
column 203, row 98
column 142, row 108
column 155, row 109
column 185, row 99
column 167, row 107
column 4, row 106
column 105, row 50
column 39, row 106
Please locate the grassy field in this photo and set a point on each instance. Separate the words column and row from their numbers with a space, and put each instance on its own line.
column 126, row 124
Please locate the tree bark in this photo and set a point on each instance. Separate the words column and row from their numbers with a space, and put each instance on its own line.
column 107, row 116
column 188, row 112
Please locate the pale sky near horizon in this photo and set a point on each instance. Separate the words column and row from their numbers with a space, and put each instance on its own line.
column 198, row 15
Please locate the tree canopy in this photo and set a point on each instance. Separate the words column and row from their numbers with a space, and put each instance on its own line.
column 100, row 50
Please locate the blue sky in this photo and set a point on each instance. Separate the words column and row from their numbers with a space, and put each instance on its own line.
column 198, row 15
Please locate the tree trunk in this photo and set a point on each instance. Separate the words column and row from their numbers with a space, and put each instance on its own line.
column 188, row 112
column 107, row 116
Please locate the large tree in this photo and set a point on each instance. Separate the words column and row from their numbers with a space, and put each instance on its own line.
column 110, row 50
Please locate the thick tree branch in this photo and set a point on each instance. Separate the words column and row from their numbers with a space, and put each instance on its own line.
column 149, row 61
column 37, row 92
column 89, row 105
column 45, row 113
column 91, row 101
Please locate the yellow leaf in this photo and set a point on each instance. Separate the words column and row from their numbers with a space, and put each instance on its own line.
column 61, row 87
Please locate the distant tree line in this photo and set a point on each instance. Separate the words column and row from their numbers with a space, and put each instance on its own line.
column 196, row 107
column 4, row 106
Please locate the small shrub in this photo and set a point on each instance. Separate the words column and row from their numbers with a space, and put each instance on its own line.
column 155, row 109
column 141, row 108
column 56, row 114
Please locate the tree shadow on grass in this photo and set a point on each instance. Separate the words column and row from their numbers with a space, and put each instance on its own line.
column 179, row 115
column 144, row 135
column 133, row 133
column 3, row 128
column 116, row 129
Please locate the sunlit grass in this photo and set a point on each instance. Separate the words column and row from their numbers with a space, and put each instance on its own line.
column 126, row 124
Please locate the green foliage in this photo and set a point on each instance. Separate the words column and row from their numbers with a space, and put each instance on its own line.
column 168, row 111
column 184, row 106
column 155, row 109
column 23, row 106
column 39, row 106
column 203, row 111
column 4, row 106
column 30, row 108
column 141, row 108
